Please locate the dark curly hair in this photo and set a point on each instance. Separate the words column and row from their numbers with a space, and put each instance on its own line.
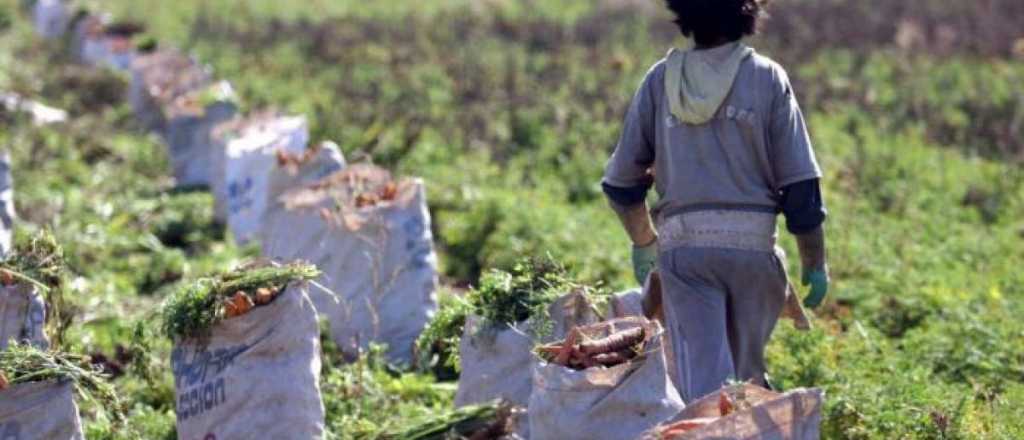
column 710, row 22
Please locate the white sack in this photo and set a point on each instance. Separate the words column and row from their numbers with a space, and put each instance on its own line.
column 222, row 134
column 22, row 316
column 256, row 377
column 621, row 402
column 295, row 234
column 625, row 304
column 307, row 168
column 7, row 214
column 250, row 160
column 39, row 410
column 190, row 123
column 497, row 363
column 378, row 260
column 88, row 43
column 51, row 18
column 158, row 79
column 795, row 415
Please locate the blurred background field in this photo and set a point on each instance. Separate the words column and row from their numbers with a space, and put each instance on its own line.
column 508, row 109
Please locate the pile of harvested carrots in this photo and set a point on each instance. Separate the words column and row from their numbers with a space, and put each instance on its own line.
column 726, row 405
column 386, row 193
column 361, row 185
column 578, row 353
column 243, row 302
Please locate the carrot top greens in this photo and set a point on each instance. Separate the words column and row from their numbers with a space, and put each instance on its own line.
column 193, row 310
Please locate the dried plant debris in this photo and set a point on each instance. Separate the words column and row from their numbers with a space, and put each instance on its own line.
column 21, row 364
column 194, row 309
column 39, row 261
column 358, row 186
column 287, row 159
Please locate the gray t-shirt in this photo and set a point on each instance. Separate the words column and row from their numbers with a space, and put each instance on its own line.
column 756, row 144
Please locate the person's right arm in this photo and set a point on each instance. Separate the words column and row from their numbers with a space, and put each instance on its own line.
column 628, row 179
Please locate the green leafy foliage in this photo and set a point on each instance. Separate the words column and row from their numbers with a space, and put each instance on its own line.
column 504, row 298
column 193, row 310
column 472, row 421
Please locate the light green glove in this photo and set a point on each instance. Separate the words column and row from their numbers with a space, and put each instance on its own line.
column 818, row 280
column 645, row 259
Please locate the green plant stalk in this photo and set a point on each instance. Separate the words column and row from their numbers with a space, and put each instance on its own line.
column 23, row 364
column 461, row 422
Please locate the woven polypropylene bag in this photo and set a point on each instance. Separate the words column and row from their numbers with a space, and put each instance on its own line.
column 255, row 376
column 7, row 214
column 795, row 415
column 39, row 410
column 378, row 261
column 250, row 160
column 620, row 402
column 22, row 316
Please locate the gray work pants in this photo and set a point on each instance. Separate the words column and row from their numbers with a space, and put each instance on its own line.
column 721, row 306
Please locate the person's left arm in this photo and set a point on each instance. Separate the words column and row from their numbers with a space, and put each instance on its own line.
column 798, row 174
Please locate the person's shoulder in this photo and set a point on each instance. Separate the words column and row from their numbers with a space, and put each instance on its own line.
column 768, row 69
column 656, row 73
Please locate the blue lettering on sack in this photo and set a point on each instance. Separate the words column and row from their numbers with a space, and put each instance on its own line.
column 201, row 399
column 414, row 228
column 196, row 375
column 10, row 431
column 238, row 195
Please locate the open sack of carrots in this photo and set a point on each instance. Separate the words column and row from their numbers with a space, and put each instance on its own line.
column 604, row 381
column 748, row 412
column 369, row 231
column 246, row 344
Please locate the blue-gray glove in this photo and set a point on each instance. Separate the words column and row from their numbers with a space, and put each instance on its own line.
column 645, row 260
column 818, row 280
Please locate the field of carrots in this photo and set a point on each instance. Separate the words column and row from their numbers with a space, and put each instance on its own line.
column 198, row 186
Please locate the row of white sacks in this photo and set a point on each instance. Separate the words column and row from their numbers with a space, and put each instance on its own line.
column 298, row 200
column 380, row 273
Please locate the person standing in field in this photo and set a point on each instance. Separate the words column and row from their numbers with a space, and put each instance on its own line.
column 718, row 132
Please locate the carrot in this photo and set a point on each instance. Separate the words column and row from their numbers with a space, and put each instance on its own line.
column 3, row 381
column 614, row 342
column 725, row 404
column 238, row 305
column 264, row 296
column 6, row 278
column 563, row 356
column 682, row 427
column 364, row 200
column 584, row 359
column 283, row 158
column 390, row 191
column 550, row 350
column 615, row 358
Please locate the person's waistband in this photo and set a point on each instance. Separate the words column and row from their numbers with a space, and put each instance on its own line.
column 720, row 228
